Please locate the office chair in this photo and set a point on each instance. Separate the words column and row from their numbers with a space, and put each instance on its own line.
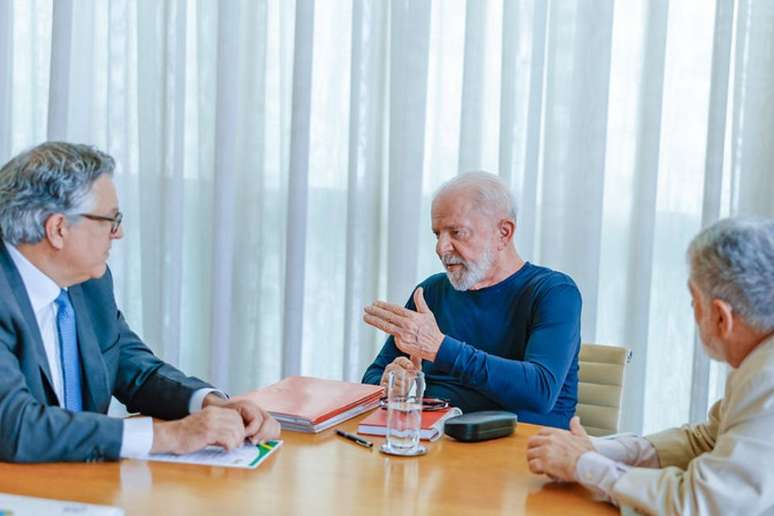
column 600, row 387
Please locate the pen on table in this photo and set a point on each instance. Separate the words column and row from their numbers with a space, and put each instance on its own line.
column 355, row 439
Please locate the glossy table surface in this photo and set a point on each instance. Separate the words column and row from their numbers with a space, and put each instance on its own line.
column 320, row 474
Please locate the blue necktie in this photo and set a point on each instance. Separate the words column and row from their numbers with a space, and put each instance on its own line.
column 68, row 352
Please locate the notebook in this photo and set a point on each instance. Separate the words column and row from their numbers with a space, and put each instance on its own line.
column 306, row 404
column 432, row 423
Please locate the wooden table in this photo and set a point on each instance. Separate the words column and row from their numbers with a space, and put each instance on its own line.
column 320, row 474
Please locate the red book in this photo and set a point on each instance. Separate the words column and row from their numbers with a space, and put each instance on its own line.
column 307, row 404
column 432, row 423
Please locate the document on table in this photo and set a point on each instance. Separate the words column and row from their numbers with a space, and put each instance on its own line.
column 30, row 506
column 248, row 456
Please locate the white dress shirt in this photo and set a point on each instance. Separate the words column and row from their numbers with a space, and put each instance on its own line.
column 599, row 470
column 42, row 292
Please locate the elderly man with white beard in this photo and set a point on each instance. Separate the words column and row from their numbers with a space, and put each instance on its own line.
column 494, row 332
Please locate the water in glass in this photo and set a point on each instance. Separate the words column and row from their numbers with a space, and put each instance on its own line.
column 404, row 419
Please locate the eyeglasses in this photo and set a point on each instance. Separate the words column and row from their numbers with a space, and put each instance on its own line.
column 115, row 222
column 428, row 404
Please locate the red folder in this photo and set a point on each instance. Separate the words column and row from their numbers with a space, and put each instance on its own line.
column 313, row 404
column 432, row 423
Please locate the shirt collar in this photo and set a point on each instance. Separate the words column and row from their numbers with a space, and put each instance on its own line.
column 41, row 289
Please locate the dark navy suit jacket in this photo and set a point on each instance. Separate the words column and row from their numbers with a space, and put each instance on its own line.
column 33, row 427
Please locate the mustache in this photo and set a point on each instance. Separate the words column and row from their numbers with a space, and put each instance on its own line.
column 450, row 259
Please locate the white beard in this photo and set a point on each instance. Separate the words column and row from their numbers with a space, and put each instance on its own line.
column 472, row 272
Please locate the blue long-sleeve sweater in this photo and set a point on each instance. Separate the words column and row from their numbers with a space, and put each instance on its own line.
column 512, row 346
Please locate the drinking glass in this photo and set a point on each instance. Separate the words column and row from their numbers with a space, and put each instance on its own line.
column 405, row 390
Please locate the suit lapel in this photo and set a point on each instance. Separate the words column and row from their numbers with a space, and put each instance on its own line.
column 97, row 395
column 23, row 302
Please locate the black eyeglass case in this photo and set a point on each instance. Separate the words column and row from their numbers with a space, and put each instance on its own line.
column 481, row 426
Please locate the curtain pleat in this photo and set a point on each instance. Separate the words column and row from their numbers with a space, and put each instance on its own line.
column 409, row 44
column 573, row 150
column 298, row 190
column 364, row 180
column 713, row 208
column 6, row 62
column 473, row 78
column 642, row 212
column 59, row 96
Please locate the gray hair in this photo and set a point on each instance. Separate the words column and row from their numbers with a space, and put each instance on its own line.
column 54, row 177
column 733, row 260
column 490, row 193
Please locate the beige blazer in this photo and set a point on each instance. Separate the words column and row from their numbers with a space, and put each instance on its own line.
column 724, row 466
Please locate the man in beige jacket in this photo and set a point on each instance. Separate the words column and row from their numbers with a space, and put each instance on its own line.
column 726, row 465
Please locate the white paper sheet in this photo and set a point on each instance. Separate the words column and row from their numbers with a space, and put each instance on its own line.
column 248, row 456
column 31, row 506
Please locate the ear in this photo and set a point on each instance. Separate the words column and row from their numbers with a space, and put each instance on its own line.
column 56, row 228
column 506, row 228
column 723, row 318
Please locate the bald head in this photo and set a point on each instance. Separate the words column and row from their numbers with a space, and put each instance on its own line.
column 487, row 192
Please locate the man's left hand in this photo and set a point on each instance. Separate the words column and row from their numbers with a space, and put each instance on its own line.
column 416, row 333
column 259, row 425
column 556, row 452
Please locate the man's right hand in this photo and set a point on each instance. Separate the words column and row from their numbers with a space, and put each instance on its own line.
column 212, row 425
column 413, row 365
column 259, row 424
column 556, row 452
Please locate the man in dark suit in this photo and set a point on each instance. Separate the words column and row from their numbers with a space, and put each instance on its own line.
column 65, row 348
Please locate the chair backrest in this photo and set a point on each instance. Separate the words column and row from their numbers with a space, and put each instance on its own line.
column 600, row 387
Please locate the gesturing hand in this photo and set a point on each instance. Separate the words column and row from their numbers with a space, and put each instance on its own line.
column 556, row 452
column 416, row 333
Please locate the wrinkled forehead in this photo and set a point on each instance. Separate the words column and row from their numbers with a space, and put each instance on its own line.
column 458, row 203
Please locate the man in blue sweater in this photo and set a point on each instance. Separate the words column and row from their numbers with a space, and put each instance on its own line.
column 494, row 332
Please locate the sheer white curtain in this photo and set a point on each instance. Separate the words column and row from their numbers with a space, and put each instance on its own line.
column 276, row 160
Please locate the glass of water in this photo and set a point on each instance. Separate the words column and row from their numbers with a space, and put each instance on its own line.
column 405, row 390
